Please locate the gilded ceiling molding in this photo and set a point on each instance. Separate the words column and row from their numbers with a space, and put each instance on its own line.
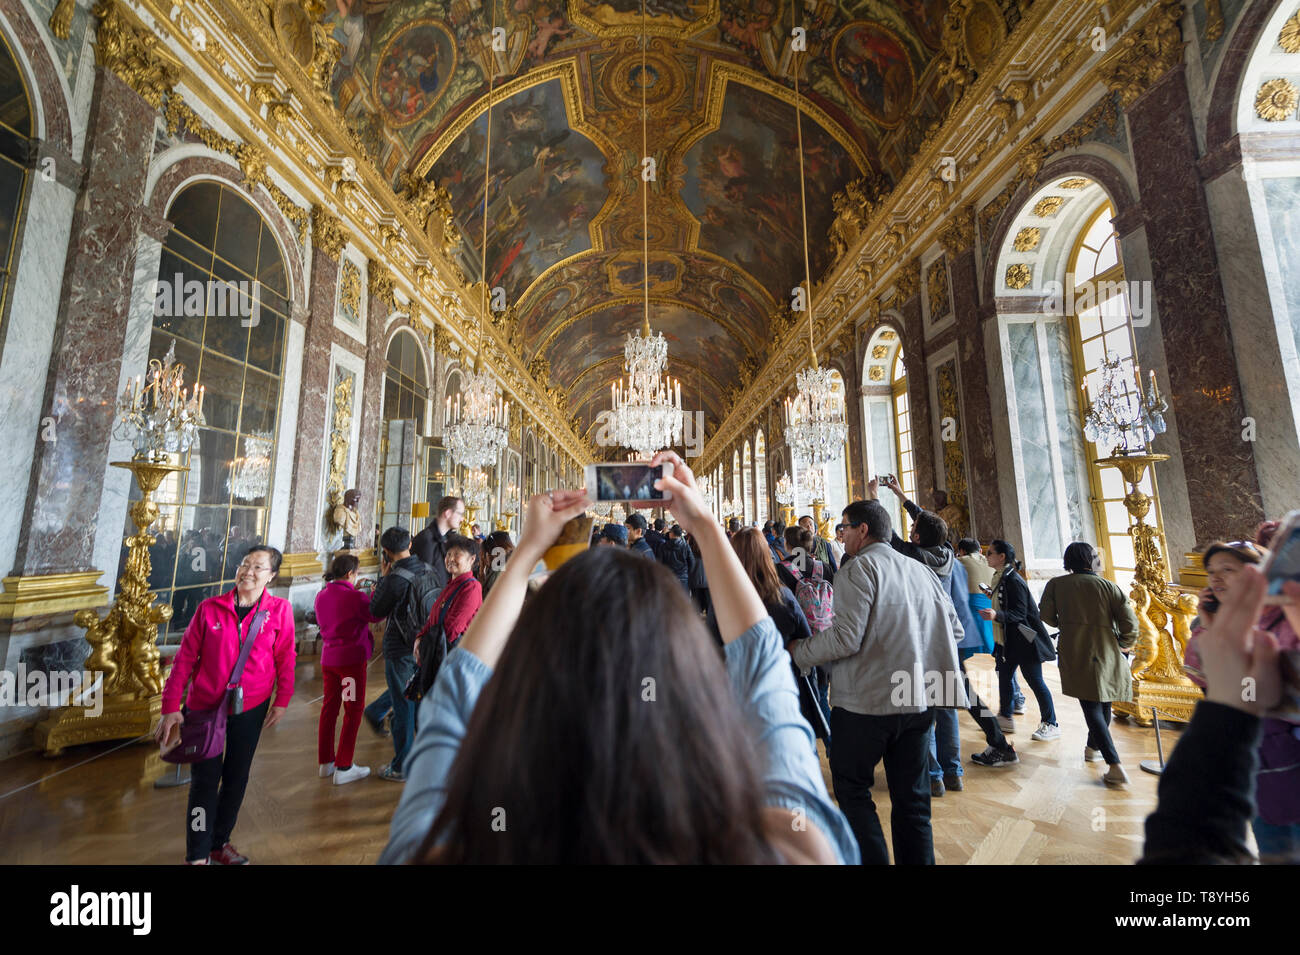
column 1144, row 55
column 327, row 232
column 134, row 54
column 959, row 234
column 379, row 282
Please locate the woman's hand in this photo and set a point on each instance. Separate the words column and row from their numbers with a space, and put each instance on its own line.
column 168, row 726
column 546, row 515
column 687, row 505
column 1240, row 661
column 873, row 490
column 988, row 614
column 274, row 715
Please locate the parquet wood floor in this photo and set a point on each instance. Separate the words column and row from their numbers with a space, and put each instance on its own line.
column 97, row 804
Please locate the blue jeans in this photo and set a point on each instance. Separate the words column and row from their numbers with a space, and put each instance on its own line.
column 398, row 673
column 377, row 710
column 1277, row 843
column 945, row 745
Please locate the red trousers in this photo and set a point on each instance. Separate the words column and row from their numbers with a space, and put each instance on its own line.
column 341, row 682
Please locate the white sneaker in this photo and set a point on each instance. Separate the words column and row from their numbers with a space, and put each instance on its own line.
column 1006, row 724
column 326, row 769
column 1091, row 755
column 1046, row 731
column 351, row 775
column 1115, row 777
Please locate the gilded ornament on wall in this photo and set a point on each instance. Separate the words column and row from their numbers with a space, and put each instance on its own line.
column 876, row 373
column 1074, row 183
column 1027, row 239
column 380, row 283
column 954, row 459
column 1277, row 100
column 135, row 55
column 936, row 286
column 1048, row 206
column 340, row 434
column 1019, row 275
column 1144, row 55
column 350, row 291
column 879, row 352
column 327, row 232
column 1289, row 38
column 293, row 29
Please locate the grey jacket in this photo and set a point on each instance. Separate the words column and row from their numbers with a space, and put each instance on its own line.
column 893, row 646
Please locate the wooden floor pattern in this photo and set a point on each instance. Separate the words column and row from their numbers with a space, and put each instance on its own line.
column 97, row 804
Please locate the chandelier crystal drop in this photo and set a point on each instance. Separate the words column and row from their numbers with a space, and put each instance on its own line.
column 814, row 421
column 647, row 408
column 475, row 428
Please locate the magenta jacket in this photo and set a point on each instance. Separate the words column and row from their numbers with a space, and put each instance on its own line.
column 210, row 648
column 343, row 615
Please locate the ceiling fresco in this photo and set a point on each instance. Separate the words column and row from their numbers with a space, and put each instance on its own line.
column 564, row 205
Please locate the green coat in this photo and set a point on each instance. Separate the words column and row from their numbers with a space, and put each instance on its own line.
column 1096, row 620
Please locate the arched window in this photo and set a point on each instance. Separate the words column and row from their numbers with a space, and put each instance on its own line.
column 735, row 478
column 747, row 481
column 905, row 469
column 530, row 466
column 760, row 476
column 837, row 471
column 219, row 262
column 404, row 412
column 1105, row 328
column 16, row 131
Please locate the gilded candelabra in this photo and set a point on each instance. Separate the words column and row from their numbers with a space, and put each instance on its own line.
column 160, row 417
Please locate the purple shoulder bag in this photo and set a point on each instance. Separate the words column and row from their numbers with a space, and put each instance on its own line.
column 203, row 733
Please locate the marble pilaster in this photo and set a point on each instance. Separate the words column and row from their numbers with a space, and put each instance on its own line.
column 976, row 435
column 305, row 517
column 1205, row 391
column 367, row 480
column 66, row 485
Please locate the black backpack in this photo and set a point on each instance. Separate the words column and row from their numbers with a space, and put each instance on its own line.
column 421, row 594
column 433, row 650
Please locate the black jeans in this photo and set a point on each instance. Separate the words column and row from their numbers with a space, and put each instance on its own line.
column 903, row 742
column 982, row 714
column 217, row 785
column 1097, row 716
column 1033, row 672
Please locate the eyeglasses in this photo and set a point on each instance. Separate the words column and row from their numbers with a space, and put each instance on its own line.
column 257, row 568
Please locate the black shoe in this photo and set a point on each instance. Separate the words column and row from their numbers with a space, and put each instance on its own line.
column 936, row 788
column 953, row 782
column 994, row 757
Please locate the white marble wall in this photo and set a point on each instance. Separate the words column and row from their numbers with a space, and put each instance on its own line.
column 135, row 361
column 29, row 339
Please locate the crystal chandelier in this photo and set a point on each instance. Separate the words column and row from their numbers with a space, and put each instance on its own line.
column 647, row 408
column 815, row 427
column 1125, row 419
column 617, row 514
column 475, row 490
column 157, row 414
column 785, row 491
column 600, row 509
column 476, row 429
column 250, row 476
column 815, row 483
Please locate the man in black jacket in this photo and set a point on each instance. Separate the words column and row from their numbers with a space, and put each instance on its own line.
column 399, row 573
column 656, row 537
column 430, row 544
column 675, row 554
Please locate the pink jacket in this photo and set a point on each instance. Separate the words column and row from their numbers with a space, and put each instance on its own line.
column 210, row 648
column 343, row 615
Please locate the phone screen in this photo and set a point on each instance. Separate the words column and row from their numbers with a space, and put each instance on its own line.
column 628, row 482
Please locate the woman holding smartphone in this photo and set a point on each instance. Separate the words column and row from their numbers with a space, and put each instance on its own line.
column 1013, row 608
column 592, row 731
column 1277, row 783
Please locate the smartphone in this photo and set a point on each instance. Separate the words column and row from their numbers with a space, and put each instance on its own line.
column 1283, row 562
column 624, row 482
column 986, row 590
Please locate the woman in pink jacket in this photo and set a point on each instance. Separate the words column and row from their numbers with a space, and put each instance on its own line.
column 343, row 614
column 204, row 665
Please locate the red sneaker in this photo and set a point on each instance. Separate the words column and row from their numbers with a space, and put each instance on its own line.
column 228, row 855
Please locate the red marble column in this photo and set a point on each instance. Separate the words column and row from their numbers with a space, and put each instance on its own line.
column 1222, row 486
column 918, row 396
column 58, row 534
column 367, row 481
column 976, row 426
column 305, row 504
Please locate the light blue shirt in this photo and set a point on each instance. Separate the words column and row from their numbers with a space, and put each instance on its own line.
column 759, row 671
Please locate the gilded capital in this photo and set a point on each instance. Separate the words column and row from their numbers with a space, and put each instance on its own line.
column 908, row 282
column 135, row 55
column 959, row 233
column 379, row 282
column 1147, row 53
column 327, row 232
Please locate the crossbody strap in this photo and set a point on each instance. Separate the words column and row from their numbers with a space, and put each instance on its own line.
column 254, row 629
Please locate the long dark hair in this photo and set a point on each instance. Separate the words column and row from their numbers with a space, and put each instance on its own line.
column 602, row 736
column 756, row 557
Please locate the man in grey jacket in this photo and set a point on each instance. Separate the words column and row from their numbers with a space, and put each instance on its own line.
column 892, row 653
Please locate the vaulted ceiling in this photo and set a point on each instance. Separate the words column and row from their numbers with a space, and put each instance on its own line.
column 564, row 207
